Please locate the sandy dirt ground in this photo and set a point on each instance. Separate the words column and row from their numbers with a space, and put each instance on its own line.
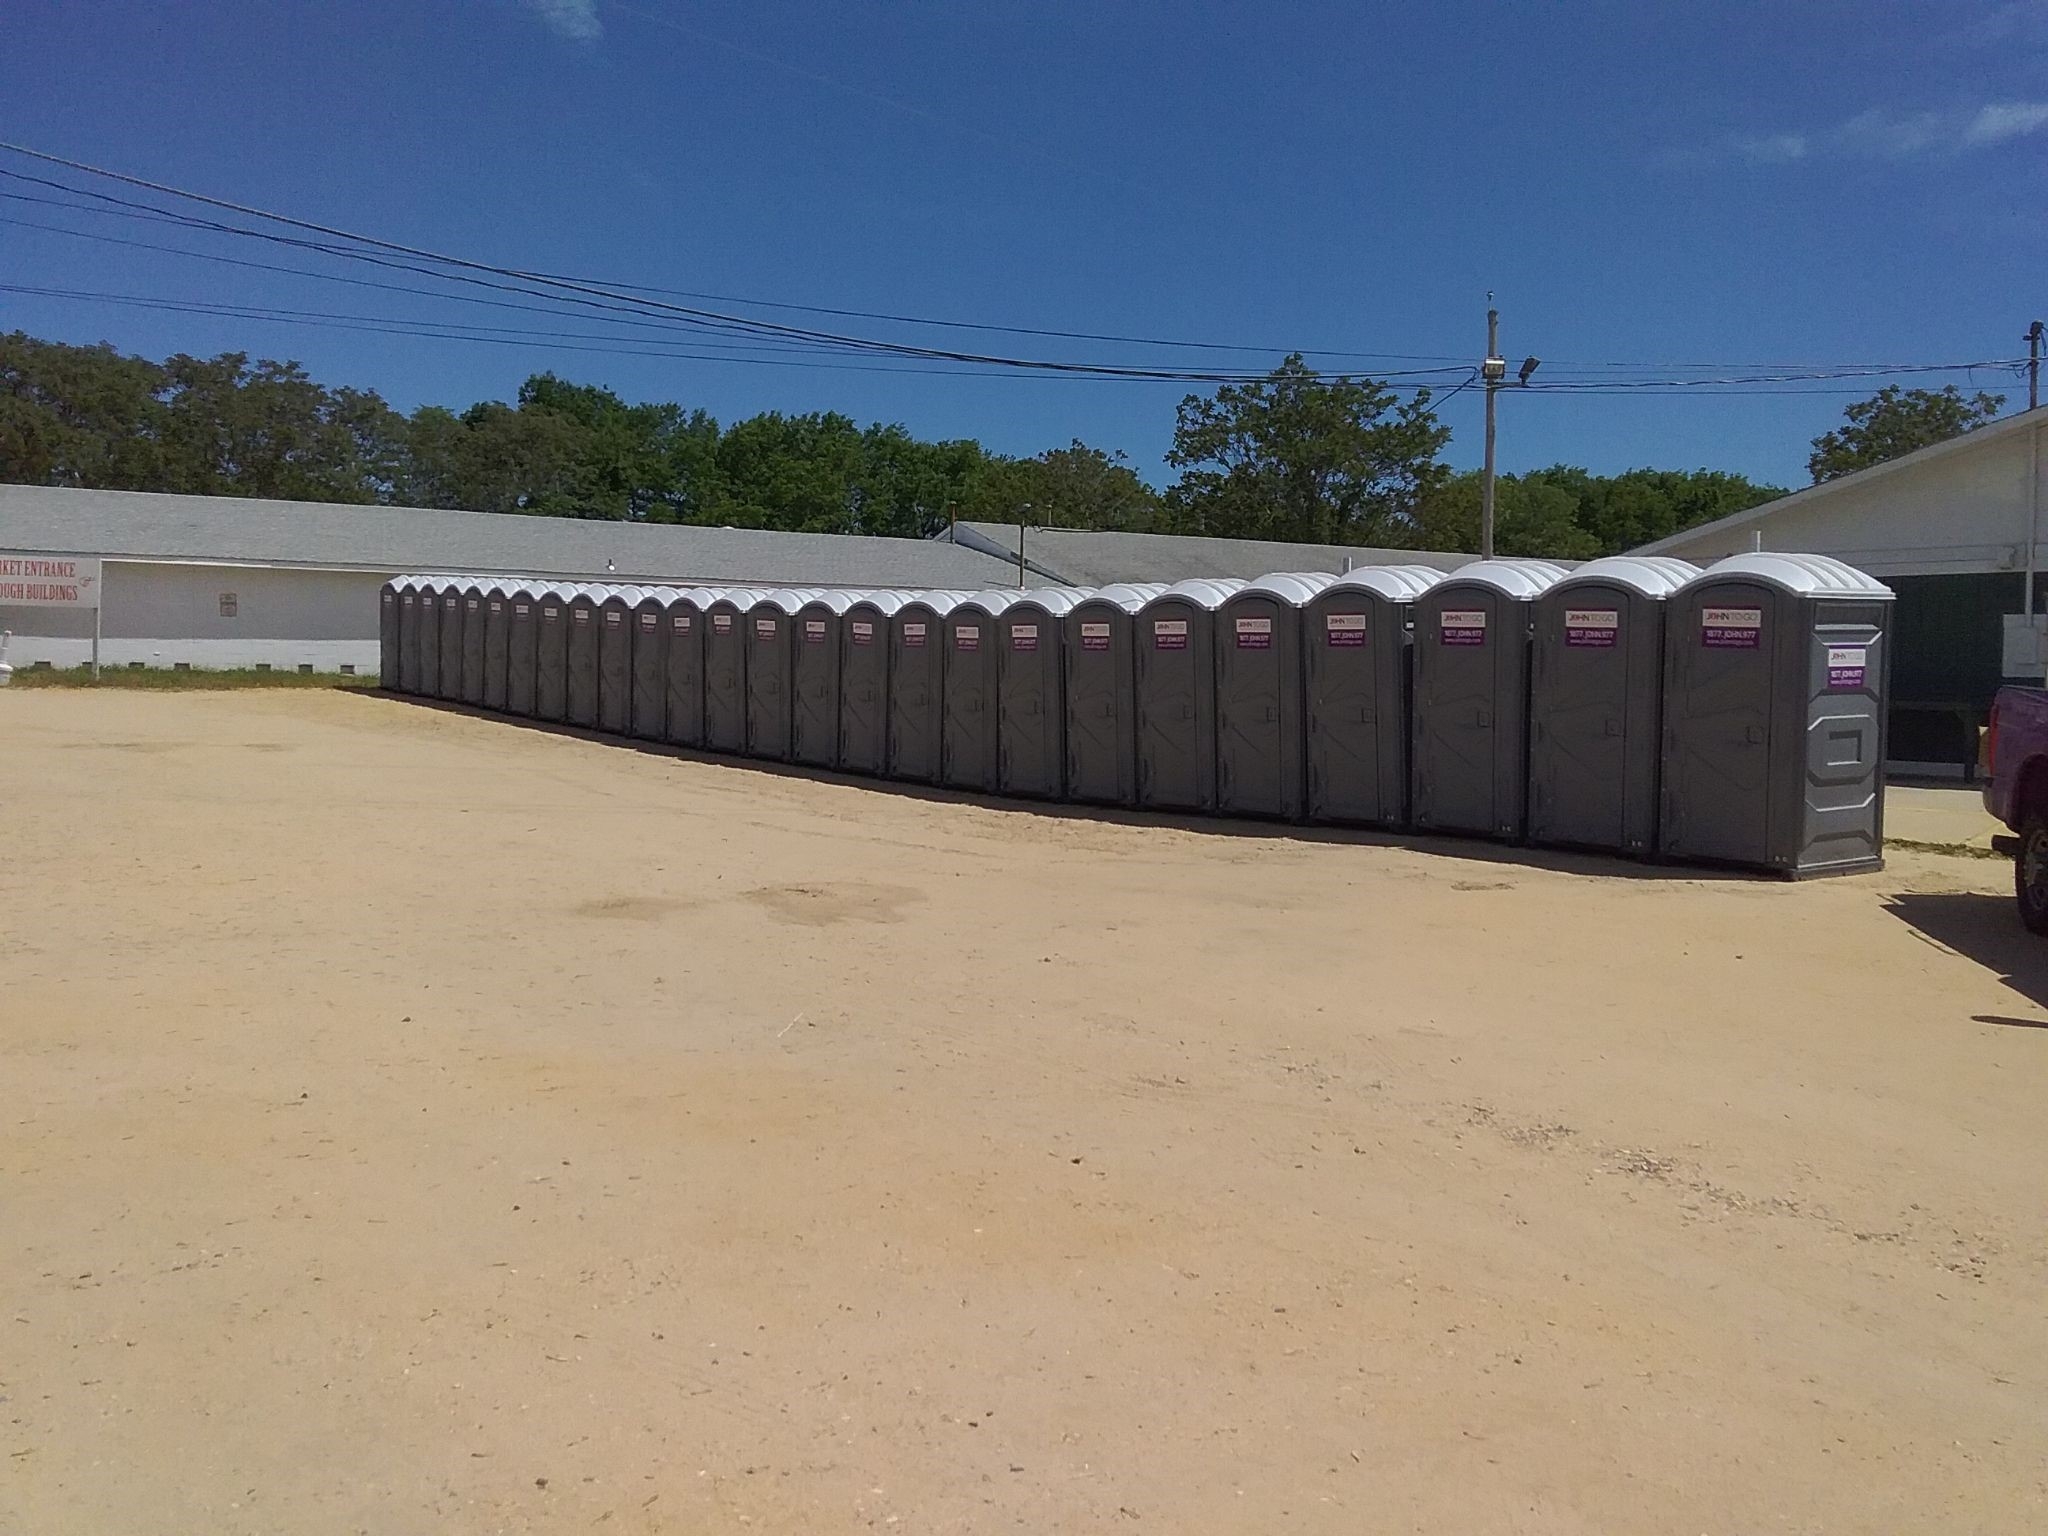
column 411, row 1122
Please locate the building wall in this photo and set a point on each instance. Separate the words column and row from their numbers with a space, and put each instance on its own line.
column 163, row 614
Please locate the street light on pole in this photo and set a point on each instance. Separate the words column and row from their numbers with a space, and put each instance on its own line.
column 1494, row 371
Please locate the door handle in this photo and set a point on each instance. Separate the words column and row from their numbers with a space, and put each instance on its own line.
column 1614, row 727
column 1754, row 733
column 1485, row 717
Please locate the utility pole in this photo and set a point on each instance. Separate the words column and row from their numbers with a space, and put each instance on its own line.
column 2034, row 333
column 1492, row 370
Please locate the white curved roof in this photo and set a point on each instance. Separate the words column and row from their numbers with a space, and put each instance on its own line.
column 1512, row 578
column 629, row 595
column 1053, row 599
column 1127, row 595
column 1651, row 575
column 736, row 597
column 1295, row 587
column 991, row 600
column 1396, row 583
column 665, row 597
column 1205, row 592
column 885, row 601
column 941, row 600
column 789, row 599
column 837, row 601
column 1808, row 575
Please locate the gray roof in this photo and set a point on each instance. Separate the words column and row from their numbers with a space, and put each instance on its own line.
column 1085, row 558
column 143, row 525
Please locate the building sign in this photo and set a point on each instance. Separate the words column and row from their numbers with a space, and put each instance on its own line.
column 1254, row 634
column 1094, row 637
column 1344, row 628
column 45, row 581
column 1591, row 628
column 1731, row 629
column 1848, row 665
column 1462, row 626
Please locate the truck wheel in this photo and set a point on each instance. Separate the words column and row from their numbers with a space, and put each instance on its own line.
column 2030, row 871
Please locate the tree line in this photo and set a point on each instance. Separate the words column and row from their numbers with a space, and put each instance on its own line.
column 1297, row 456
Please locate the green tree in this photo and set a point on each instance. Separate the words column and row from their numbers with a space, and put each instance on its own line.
column 1532, row 516
column 1075, row 487
column 232, row 428
column 1301, row 457
column 80, row 416
column 1894, row 422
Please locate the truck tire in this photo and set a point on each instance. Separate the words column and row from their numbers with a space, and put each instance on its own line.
column 2030, row 870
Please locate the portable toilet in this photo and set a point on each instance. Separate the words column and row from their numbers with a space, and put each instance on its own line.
column 1596, row 682
column 725, row 668
column 1174, row 689
column 522, row 649
column 615, row 659
column 968, row 736
column 1775, row 692
column 689, row 622
column 1261, row 743
column 1469, row 713
column 497, row 598
column 451, row 638
column 584, row 600
column 430, row 637
column 771, row 628
column 471, row 670
column 1355, row 683
column 1031, row 693
column 1102, row 730
column 409, row 593
column 917, row 685
column 551, row 652
column 814, row 668
column 389, row 628
column 647, row 711
column 864, row 681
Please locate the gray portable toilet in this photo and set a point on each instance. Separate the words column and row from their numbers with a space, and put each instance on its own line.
column 1356, row 658
column 968, row 734
column 1261, row 742
column 1596, row 683
column 1031, row 693
column 451, row 639
column 409, row 592
column 471, row 688
column 551, row 652
column 817, row 650
column 615, row 659
column 1174, row 689
column 1775, row 692
column 1469, row 714
column 647, row 711
column 1102, row 729
column 429, row 642
column 917, row 685
column 585, row 598
column 725, row 668
column 771, row 625
column 522, row 649
column 864, row 681
column 689, row 622
column 497, row 641
column 389, row 626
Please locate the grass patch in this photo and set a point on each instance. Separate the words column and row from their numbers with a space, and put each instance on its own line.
column 1952, row 850
column 169, row 680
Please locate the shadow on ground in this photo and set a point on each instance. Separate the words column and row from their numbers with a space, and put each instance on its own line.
column 1477, row 850
column 1987, row 930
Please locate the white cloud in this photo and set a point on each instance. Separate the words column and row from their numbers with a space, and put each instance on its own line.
column 572, row 18
column 1881, row 135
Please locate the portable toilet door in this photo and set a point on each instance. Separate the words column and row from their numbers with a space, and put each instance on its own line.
column 814, row 676
column 1174, row 689
column 1596, row 681
column 725, row 668
column 409, row 604
column 471, row 690
column 1031, row 694
column 580, row 706
column 429, row 638
column 917, row 686
column 968, row 735
column 1774, row 716
column 451, row 639
column 389, row 626
column 551, row 653
column 1102, row 731
column 688, row 623
column 522, row 648
column 497, row 642
column 647, row 710
column 1470, row 707
column 771, row 631
column 1261, row 743
column 1356, row 659
column 615, row 659
column 864, row 682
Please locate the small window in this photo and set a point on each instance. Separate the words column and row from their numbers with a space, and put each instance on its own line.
column 230, row 605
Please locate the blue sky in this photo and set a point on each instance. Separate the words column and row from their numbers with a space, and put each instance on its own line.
column 1825, row 183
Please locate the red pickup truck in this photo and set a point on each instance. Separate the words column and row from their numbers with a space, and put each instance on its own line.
column 2016, row 792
